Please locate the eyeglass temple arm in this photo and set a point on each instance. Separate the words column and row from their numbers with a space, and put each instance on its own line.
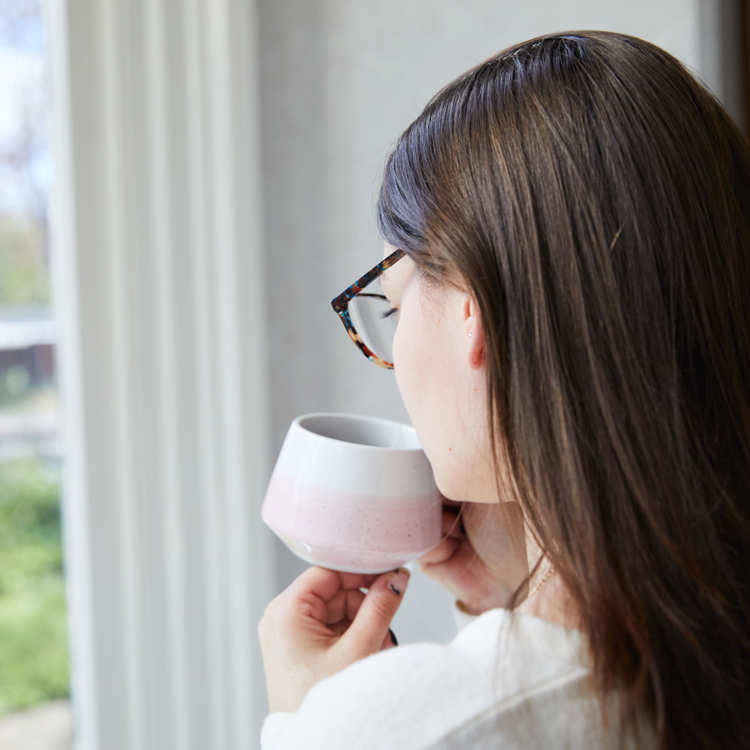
column 339, row 302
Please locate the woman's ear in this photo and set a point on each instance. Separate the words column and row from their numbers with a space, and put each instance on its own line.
column 474, row 333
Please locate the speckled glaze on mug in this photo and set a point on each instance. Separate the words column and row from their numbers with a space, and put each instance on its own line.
column 353, row 493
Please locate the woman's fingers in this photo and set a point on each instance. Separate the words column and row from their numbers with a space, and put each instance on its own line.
column 340, row 627
column 325, row 583
column 452, row 536
column 461, row 572
column 370, row 626
column 387, row 642
column 344, row 605
column 444, row 551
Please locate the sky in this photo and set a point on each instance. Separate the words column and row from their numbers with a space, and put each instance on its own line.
column 23, row 97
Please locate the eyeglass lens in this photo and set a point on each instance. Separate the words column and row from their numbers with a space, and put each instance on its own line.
column 375, row 320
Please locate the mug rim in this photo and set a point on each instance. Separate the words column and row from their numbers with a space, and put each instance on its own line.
column 297, row 421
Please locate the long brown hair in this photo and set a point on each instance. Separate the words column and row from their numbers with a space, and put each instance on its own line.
column 594, row 197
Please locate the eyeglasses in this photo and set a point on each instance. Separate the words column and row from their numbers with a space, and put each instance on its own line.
column 374, row 317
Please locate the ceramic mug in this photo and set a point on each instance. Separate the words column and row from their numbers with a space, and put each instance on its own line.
column 353, row 493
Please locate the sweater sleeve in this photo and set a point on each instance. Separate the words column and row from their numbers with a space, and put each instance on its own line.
column 415, row 696
column 389, row 699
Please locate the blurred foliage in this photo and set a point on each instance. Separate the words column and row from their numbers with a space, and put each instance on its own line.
column 33, row 635
column 14, row 385
column 19, row 396
column 33, row 627
column 24, row 276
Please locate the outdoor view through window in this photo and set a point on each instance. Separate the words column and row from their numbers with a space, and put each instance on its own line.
column 34, row 675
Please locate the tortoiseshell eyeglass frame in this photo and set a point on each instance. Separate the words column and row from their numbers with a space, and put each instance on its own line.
column 340, row 305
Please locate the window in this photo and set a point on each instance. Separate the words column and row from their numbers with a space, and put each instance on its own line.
column 33, row 635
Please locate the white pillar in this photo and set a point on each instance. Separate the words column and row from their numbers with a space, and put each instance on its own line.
column 157, row 265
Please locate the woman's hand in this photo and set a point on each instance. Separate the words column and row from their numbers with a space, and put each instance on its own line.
column 322, row 623
column 482, row 558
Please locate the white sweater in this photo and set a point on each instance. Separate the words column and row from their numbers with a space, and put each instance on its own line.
column 430, row 695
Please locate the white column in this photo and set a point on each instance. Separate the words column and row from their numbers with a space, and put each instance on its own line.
column 158, row 271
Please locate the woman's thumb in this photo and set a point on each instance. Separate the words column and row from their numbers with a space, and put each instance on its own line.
column 373, row 619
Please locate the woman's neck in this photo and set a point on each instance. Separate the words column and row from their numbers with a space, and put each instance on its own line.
column 551, row 600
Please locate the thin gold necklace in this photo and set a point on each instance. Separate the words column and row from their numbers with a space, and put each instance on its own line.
column 543, row 580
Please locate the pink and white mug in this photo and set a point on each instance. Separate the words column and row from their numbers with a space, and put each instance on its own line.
column 353, row 493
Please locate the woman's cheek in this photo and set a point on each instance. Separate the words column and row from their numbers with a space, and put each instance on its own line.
column 397, row 357
column 403, row 366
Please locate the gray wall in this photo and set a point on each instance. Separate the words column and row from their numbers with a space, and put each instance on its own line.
column 339, row 82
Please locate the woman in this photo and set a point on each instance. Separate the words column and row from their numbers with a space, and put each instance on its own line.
column 567, row 245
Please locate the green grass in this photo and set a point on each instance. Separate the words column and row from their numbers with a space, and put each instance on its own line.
column 33, row 634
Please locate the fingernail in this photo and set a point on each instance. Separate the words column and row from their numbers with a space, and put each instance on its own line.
column 397, row 582
column 393, row 637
